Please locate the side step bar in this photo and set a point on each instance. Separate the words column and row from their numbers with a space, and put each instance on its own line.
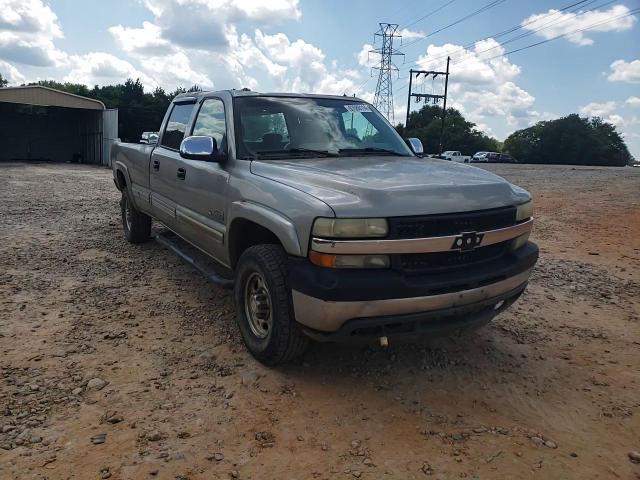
column 206, row 271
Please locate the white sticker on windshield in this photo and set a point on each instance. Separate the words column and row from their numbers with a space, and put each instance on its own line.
column 357, row 107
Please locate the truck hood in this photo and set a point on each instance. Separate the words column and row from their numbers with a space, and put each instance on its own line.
column 385, row 186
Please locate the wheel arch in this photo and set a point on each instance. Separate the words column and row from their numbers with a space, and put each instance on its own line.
column 252, row 224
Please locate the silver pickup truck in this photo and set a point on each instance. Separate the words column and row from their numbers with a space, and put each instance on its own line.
column 331, row 226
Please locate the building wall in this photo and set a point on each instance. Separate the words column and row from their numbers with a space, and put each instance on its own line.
column 30, row 132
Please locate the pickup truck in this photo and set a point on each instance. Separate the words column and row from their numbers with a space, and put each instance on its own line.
column 328, row 223
column 455, row 156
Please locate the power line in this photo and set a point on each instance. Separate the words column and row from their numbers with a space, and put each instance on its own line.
column 460, row 20
column 514, row 28
column 545, row 25
column 573, row 32
column 566, row 34
column 446, row 4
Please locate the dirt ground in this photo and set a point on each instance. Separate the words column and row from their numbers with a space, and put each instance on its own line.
column 121, row 361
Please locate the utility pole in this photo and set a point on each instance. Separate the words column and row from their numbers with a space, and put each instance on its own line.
column 383, row 99
column 429, row 96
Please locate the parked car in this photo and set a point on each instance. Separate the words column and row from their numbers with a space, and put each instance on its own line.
column 455, row 156
column 506, row 158
column 479, row 157
column 328, row 232
column 149, row 138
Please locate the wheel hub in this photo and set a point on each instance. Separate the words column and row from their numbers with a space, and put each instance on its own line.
column 258, row 305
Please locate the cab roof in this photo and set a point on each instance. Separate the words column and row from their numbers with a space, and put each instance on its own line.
column 249, row 93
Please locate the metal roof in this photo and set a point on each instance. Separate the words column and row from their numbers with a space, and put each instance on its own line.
column 47, row 97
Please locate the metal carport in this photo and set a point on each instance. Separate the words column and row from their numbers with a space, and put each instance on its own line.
column 41, row 123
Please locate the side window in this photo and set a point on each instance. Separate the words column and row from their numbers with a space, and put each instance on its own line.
column 176, row 126
column 210, row 121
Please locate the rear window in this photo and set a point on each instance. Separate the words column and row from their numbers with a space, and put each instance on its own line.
column 176, row 126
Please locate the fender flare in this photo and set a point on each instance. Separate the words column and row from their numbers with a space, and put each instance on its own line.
column 281, row 226
column 121, row 167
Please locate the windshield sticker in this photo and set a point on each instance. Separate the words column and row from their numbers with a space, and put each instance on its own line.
column 357, row 107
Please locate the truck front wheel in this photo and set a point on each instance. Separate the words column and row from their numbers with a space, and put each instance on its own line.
column 136, row 225
column 263, row 305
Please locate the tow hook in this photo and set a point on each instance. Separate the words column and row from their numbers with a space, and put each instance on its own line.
column 384, row 342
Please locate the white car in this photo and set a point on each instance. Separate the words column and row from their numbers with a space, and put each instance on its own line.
column 455, row 156
column 480, row 157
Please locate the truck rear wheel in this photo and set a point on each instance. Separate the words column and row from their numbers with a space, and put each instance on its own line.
column 136, row 225
column 263, row 305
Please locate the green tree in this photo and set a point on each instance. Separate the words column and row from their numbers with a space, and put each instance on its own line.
column 459, row 134
column 569, row 140
column 3, row 81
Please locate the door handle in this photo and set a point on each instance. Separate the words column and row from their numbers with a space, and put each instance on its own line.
column 181, row 173
column 156, row 165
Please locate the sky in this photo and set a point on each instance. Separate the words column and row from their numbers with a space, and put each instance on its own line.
column 588, row 61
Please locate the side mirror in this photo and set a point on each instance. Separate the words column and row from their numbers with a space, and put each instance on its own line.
column 415, row 145
column 200, row 148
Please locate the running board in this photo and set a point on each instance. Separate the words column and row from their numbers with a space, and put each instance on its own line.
column 207, row 272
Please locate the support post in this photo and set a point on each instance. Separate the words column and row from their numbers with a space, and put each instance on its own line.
column 444, row 106
column 406, row 123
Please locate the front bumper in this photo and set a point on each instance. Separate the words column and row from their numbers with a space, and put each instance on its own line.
column 337, row 303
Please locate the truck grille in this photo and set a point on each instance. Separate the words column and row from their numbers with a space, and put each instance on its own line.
column 441, row 261
column 451, row 224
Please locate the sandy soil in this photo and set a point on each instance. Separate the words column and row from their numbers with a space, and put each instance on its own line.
column 120, row 361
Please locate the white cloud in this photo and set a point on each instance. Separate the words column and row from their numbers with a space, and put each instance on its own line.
column 366, row 57
column 208, row 19
column 305, row 65
column 172, row 71
column 99, row 68
column 27, row 31
column 623, row 71
column 633, row 102
column 484, row 85
column 145, row 40
column 595, row 109
column 11, row 73
column 554, row 23
column 29, row 16
column 410, row 34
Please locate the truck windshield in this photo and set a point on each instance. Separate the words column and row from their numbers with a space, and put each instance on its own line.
column 295, row 127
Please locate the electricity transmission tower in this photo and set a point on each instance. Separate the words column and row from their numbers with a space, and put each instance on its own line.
column 383, row 99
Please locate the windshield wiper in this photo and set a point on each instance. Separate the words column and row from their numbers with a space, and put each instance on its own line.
column 372, row 150
column 323, row 153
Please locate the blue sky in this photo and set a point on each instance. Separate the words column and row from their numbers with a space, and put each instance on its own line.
column 321, row 47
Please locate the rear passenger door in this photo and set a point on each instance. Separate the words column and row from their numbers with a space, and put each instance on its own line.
column 165, row 162
column 201, row 194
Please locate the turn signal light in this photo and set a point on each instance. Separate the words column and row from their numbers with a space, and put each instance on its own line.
column 348, row 261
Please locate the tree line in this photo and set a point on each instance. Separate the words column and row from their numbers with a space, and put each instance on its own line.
column 137, row 111
column 570, row 140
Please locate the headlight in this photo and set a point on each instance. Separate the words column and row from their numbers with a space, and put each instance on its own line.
column 349, row 261
column 525, row 211
column 350, row 227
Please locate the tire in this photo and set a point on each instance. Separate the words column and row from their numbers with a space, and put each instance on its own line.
column 136, row 225
column 264, row 309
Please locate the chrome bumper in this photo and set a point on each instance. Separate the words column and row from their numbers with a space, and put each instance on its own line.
column 421, row 245
column 329, row 316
